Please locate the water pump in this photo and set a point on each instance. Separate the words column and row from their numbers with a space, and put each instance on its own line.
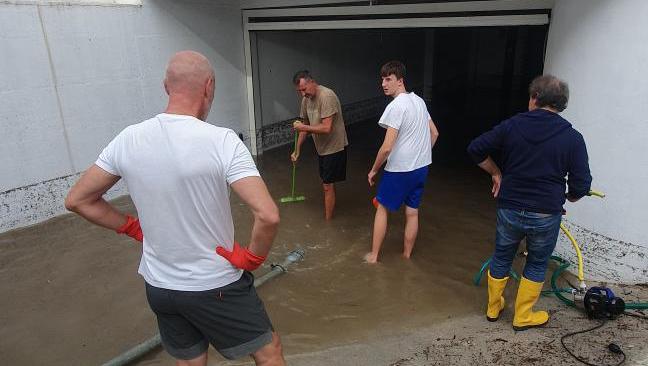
column 601, row 303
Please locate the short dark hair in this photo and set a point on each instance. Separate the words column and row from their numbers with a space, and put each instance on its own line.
column 549, row 91
column 393, row 68
column 301, row 74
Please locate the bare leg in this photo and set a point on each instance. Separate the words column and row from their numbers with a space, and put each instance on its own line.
column 329, row 200
column 411, row 230
column 271, row 354
column 379, row 231
column 198, row 361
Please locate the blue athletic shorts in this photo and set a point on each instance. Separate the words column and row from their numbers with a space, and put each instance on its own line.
column 397, row 188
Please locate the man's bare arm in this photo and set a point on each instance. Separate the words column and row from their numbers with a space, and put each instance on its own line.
column 383, row 153
column 434, row 133
column 86, row 198
column 253, row 191
column 325, row 126
column 300, row 141
column 496, row 175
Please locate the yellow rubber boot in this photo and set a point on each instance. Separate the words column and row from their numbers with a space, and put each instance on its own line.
column 527, row 296
column 495, row 298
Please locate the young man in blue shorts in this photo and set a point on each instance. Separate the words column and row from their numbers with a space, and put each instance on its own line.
column 407, row 148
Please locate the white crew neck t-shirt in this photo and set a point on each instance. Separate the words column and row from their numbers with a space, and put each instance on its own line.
column 178, row 170
column 413, row 147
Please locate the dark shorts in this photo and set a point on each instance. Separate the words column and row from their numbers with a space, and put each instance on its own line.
column 397, row 188
column 332, row 167
column 232, row 318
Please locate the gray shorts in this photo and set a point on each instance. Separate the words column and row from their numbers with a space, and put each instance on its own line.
column 232, row 318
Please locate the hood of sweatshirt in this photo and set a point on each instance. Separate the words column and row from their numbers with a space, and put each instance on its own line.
column 539, row 125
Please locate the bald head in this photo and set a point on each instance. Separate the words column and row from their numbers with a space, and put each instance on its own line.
column 187, row 73
column 189, row 82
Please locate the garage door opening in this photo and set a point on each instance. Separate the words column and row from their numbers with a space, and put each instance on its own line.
column 471, row 78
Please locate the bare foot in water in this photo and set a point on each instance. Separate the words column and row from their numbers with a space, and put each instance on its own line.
column 406, row 256
column 371, row 258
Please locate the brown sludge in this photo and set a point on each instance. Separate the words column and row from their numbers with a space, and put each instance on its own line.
column 71, row 294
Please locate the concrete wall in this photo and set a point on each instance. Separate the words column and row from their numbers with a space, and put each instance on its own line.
column 72, row 77
column 601, row 49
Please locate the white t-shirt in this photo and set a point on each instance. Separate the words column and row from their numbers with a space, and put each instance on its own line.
column 413, row 147
column 177, row 169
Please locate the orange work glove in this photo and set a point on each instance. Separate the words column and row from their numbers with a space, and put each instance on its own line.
column 131, row 228
column 241, row 257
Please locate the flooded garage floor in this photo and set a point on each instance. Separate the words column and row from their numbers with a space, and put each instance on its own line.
column 71, row 294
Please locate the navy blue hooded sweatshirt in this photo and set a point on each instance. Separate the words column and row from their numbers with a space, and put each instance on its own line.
column 538, row 150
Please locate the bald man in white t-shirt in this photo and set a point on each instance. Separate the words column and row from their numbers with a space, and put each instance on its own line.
column 178, row 170
column 407, row 148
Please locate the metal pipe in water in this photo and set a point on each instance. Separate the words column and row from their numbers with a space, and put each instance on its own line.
column 277, row 269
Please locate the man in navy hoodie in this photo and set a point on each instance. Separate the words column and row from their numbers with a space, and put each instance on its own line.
column 540, row 153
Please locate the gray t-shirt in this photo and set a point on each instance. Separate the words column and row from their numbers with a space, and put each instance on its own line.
column 325, row 104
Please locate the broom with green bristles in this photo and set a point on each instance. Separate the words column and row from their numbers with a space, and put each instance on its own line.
column 292, row 197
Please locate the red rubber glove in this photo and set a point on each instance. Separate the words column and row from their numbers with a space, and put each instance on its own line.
column 132, row 228
column 241, row 257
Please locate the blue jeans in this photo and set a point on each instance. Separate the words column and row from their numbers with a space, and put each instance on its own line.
column 541, row 232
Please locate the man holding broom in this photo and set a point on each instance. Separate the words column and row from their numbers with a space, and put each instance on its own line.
column 321, row 114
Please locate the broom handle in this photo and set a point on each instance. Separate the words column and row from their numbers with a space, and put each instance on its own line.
column 294, row 166
column 292, row 194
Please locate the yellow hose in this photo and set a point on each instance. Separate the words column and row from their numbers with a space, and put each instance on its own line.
column 597, row 194
column 581, row 275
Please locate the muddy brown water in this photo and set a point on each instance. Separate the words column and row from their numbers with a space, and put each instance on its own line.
column 71, row 294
